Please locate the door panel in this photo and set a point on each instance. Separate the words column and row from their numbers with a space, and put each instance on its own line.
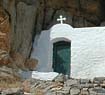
column 61, row 57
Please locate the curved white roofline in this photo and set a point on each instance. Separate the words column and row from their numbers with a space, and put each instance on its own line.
column 61, row 26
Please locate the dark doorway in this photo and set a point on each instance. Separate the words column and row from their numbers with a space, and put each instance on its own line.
column 61, row 57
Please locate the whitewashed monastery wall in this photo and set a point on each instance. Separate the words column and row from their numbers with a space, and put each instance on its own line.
column 87, row 49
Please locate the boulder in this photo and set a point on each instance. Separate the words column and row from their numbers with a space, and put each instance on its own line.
column 60, row 78
column 98, row 79
column 31, row 64
column 12, row 91
column 8, row 77
column 26, row 86
column 74, row 91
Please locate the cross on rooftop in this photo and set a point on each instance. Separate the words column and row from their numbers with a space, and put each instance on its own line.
column 61, row 19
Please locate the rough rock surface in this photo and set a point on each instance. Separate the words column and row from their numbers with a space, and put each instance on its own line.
column 12, row 61
column 4, row 31
column 4, row 37
column 31, row 63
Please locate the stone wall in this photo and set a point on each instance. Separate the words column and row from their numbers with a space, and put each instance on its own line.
column 70, row 87
column 59, row 86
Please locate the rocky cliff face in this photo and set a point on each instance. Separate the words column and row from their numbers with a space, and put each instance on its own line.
column 28, row 17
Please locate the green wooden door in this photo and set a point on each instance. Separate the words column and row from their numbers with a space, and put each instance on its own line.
column 61, row 57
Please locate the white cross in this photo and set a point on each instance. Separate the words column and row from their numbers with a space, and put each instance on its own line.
column 61, row 19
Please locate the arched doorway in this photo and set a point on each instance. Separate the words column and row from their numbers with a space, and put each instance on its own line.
column 61, row 57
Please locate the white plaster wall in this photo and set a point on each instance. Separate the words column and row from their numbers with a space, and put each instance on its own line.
column 61, row 31
column 88, row 52
column 41, row 51
column 43, row 47
column 87, row 49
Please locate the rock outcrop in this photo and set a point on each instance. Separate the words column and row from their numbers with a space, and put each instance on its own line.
column 4, row 37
